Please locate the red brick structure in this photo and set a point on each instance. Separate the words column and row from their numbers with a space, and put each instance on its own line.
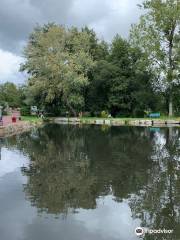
column 6, row 120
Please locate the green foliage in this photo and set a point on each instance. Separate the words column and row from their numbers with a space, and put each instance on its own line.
column 157, row 35
column 72, row 71
column 86, row 114
column 58, row 62
column 121, row 83
column 104, row 114
column 25, row 110
column 177, row 102
column 98, row 49
column 10, row 95
column 97, row 95
column 130, row 85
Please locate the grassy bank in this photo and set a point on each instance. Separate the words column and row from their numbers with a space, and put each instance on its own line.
column 33, row 119
column 165, row 118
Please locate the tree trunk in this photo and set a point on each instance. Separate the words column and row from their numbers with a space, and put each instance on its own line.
column 72, row 109
column 171, row 65
column 170, row 107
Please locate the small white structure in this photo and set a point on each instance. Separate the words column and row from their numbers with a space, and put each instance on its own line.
column 34, row 110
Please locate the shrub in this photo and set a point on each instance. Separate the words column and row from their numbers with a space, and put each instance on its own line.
column 86, row 114
column 25, row 111
column 104, row 114
column 96, row 114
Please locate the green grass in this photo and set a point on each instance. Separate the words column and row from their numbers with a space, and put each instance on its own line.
column 131, row 118
column 34, row 119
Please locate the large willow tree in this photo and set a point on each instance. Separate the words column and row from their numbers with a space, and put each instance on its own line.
column 57, row 61
column 158, row 35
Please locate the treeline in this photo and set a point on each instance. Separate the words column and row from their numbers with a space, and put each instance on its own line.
column 87, row 75
column 71, row 70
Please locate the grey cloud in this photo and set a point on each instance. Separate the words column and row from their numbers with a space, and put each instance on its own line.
column 89, row 12
column 16, row 22
column 118, row 21
column 18, row 17
column 53, row 9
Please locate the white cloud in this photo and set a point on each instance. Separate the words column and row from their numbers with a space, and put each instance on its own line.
column 10, row 161
column 120, row 15
column 9, row 67
column 111, row 220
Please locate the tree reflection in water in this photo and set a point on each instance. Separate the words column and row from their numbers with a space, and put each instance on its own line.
column 158, row 202
column 71, row 167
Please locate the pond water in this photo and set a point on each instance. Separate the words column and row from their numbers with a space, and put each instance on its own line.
column 65, row 182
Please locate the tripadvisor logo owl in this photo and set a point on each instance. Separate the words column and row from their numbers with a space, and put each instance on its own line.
column 139, row 231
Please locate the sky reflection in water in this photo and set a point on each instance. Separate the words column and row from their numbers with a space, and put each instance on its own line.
column 70, row 182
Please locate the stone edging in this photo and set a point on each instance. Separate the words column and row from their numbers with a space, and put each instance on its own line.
column 118, row 122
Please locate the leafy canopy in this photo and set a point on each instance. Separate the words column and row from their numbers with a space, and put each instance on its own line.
column 58, row 62
column 157, row 34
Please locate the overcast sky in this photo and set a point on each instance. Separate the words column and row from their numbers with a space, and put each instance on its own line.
column 18, row 18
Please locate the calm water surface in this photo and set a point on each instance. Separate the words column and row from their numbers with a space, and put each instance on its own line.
column 89, row 183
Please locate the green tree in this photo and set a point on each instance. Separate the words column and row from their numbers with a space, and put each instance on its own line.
column 98, row 49
column 58, row 61
column 96, row 92
column 130, row 91
column 158, row 36
column 177, row 101
column 10, row 94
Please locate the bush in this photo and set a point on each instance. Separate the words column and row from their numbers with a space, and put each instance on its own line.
column 95, row 114
column 86, row 114
column 104, row 114
column 138, row 113
column 25, row 111
column 123, row 114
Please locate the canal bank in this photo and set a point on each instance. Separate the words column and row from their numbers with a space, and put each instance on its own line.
column 27, row 124
column 18, row 128
column 120, row 122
